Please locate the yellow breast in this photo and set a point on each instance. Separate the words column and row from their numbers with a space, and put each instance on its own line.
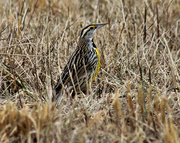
column 98, row 65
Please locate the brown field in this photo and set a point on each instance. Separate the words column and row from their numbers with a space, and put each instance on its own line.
column 134, row 99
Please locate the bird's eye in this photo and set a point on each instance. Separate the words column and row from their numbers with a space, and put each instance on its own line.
column 93, row 27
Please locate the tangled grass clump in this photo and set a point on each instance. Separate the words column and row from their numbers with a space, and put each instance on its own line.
column 136, row 96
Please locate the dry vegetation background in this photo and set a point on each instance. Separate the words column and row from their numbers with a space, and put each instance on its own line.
column 136, row 96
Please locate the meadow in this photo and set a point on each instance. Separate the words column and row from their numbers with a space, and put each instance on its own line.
column 134, row 99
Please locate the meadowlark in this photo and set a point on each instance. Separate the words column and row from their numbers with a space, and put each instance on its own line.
column 82, row 66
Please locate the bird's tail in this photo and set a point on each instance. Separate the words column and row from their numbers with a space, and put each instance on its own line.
column 57, row 93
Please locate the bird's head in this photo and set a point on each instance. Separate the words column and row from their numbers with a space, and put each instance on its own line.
column 88, row 32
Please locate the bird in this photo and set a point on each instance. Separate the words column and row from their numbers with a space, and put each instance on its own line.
column 82, row 66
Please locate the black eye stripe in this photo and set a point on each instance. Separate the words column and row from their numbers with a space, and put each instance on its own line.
column 86, row 30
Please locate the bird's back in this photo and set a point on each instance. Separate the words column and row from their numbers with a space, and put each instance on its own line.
column 83, row 65
column 80, row 67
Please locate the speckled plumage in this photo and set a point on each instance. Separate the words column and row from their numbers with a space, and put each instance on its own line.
column 82, row 66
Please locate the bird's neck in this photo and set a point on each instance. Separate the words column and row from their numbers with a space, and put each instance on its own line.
column 86, row 45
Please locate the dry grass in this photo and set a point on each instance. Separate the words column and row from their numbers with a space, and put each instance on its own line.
column 136, row 96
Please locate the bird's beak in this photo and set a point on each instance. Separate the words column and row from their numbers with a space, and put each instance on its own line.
column 101, row 25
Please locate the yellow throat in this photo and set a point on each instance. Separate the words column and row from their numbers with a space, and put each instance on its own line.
column 98, row 66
